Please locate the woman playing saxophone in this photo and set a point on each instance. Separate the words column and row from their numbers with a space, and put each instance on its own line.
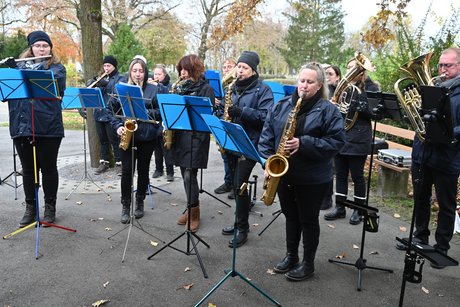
column 318, row 136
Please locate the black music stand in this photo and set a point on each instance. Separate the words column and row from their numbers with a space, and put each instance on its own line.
column 87, row 98
column 234, row 139
column 185, row 113
column 133, row 107
column 31, row 84
column 437, row 116
column 15, row 175
column 370, row 214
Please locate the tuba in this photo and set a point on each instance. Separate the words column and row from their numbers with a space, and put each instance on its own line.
column 125, row 139
column 346, row 90
column 277, row 165
column 409, row 97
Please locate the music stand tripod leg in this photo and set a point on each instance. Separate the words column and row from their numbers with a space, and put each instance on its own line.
column 209, row 194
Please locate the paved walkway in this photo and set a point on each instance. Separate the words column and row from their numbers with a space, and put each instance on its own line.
column 78, row 269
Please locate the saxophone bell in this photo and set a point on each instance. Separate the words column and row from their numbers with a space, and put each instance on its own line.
column 125, row 139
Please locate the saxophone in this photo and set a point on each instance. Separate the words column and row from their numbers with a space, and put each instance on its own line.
column 168, row 135
column 125, row 139
column 229, row 81
column 277, row 165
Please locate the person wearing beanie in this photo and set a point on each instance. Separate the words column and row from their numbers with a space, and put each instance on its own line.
column 143, row 138
column 318, row 137
column 251, row 101
column 44, row 125
column 102, row 116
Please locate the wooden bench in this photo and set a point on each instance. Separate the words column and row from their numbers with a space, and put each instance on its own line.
column 392, row 179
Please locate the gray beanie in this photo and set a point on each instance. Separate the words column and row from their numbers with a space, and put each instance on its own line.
column 251, row 58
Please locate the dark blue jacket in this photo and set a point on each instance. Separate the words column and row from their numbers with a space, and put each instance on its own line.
column 321, row 139
column 103, row 114
column 47, row 113
column 444, row 158
column 254, row 103
column 146, row 131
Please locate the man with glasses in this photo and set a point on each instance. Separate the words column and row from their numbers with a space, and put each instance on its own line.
column 438, row 165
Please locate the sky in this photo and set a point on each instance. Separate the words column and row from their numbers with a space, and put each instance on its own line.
column 358, row 11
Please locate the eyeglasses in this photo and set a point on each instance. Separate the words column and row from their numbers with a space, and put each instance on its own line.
column 446, row 65
column 38, row 46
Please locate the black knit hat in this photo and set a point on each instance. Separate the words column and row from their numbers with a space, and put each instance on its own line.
column 111, row 60
column 251, row 58
column 37, row 36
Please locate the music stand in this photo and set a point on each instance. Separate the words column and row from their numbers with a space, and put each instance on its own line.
column 15, row 175
column 215, row 80
column 370, row 214
column 185, row 113
column 37, row 85
column 133, row 107
column 234, row 139
column 437, row 116
column 89, row 98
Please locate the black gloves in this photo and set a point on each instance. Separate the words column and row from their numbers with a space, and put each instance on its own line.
column 234, row 111
column 9, row 62
column 101, row 83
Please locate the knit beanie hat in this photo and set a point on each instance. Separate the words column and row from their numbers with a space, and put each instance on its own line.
column 37, row 36
column 251, row 58
column 111, row 60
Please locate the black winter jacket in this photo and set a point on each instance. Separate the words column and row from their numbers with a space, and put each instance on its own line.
column 47, row 113
column 321, row 139
column 103, row 114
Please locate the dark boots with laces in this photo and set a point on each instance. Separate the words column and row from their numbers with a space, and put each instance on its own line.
column 30, row 214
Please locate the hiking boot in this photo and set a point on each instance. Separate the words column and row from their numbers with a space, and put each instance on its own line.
column 50, row 212
column 157, row 174
column 29, row 216
column 224, row 188
column 338, row 212
column 169, row 177
column 103, row 167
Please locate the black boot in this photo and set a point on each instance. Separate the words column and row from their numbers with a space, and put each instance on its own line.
column 139, row 212
column 355, row 218
column 242, row 220
column 288, row 263
column 125, row 214
column 305, row 269
column 30, row 214
column 339, row 212
column 240, row 238
column 50, row 211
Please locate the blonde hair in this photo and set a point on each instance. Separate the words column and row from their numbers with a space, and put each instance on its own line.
column 321, row 77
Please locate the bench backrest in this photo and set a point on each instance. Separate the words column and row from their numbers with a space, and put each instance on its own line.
column 398, row 132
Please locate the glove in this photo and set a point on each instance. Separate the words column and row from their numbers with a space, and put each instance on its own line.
column 234, row 111
column 9, row 62
column 82, row 112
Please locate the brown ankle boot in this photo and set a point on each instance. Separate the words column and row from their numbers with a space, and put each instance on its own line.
column 194, row 218
column 183, row 218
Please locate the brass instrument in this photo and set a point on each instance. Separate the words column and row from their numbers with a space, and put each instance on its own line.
column 277, row 165
column 409, row 97
column 125, row 139
column 98, row 79
column 346, row 90
column 168, row 135
column 228, row 100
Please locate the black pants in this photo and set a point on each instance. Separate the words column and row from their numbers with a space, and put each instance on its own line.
column 46, row 151
column 344, row 165
column 189, row 176
column 142, row 156
column 300, row 205
column 244, row 202
column 108, row 137
column 446, row 191
column 163, row 153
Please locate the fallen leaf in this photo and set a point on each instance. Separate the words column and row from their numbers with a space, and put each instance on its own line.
column 100, row 218
column 188, row 287
column 79, row 203
column 174, row 205
column 98, row 190
column 212, row 305
column 271, row 272
column 153, row 243
column 220, row 212
column 331, row 226
column 355, row 246
column 99, row 303
column 106, row 284
column 396, row 215
column 255, row 225
column 374, row 253
column 108, row 229
column 440, row 295
column 402, row 228
column 92, row 220
column 425, row 290
column 187, row 269
column 341, row 256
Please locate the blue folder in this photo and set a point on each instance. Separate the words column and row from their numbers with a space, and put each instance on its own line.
column 184, row 112
column 132, row 101
column 77, row 98
column 23, row 84
column 215, row 80
column 233, row 138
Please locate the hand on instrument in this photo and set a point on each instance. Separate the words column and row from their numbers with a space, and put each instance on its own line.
column 217, row 102
column 9, row 62
column 292, row 146
column 234, row 111
column 121, row 130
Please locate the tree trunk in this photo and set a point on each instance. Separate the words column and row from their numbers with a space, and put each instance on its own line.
column 90, row 18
